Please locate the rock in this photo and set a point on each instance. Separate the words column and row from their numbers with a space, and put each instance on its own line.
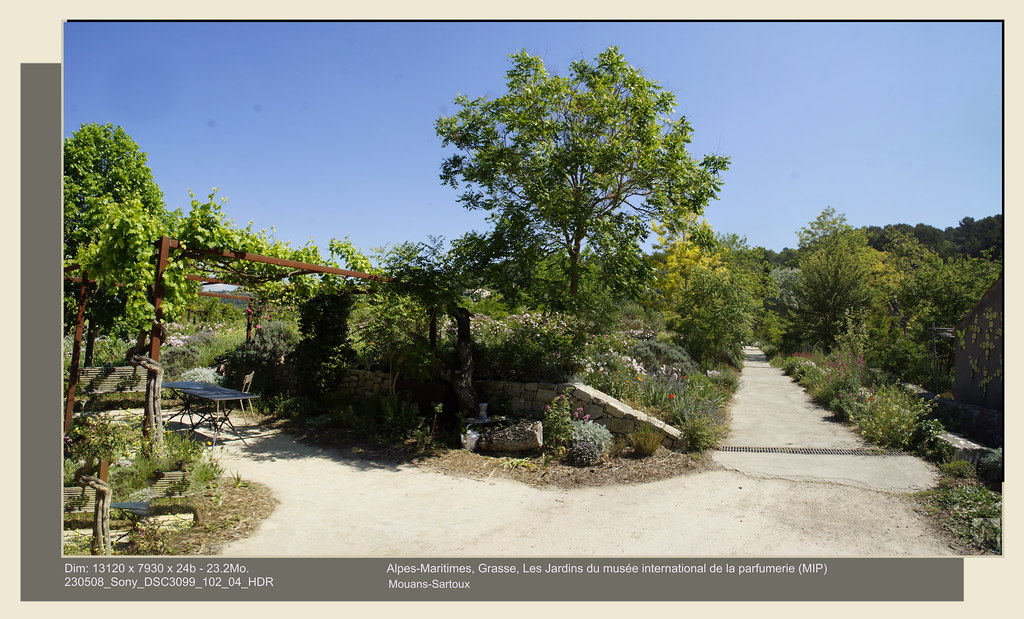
column 522, row 436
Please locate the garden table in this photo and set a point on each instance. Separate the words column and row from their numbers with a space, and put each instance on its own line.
column 191, row 393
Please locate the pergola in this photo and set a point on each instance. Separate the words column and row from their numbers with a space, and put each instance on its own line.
column 212, row 260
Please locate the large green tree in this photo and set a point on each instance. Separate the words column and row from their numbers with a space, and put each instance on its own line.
column 576, row 168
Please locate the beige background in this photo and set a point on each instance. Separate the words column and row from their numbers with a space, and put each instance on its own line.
column 31, row 32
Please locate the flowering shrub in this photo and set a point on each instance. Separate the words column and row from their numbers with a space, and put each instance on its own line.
column 891, row 418
column 662, row 358
column 533, row 347
column 190, row 346
column 844, row 374
column 798, row 366
column 202, row 375
column 264, row 354
column 851, row 404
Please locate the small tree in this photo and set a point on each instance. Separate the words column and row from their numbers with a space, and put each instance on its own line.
column 437, row 278
column 708, row 296
column 834, row 282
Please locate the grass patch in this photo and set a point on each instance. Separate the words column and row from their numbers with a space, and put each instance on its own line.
column 969, row 511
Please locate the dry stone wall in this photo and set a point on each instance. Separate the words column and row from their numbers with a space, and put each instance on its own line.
column 528, row 401
column 366, row 383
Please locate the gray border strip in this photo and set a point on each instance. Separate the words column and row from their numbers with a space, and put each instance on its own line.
column 41, row 208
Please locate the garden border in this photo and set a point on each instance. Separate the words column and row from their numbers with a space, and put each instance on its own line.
column 528, row 401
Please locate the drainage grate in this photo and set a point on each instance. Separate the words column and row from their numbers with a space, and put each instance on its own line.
column 815, row 451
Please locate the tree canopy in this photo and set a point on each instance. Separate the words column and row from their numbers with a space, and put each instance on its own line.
column 576, row 168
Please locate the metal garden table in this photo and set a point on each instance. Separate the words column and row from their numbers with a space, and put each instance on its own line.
column 192, row 394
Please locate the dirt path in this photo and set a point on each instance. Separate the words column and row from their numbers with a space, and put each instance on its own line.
column 784, row 505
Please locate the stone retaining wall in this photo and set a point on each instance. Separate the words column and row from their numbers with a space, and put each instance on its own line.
column 363, row 382
column 527, row 401
column 983, row 425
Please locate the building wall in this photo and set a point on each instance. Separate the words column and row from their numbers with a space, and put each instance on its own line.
column 978, row 377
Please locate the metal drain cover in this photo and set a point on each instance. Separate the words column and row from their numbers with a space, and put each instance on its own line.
column 814, row 451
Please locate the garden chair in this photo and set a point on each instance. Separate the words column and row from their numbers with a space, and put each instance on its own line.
column 246, row 384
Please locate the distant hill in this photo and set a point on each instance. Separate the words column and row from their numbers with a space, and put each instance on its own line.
column 970, row 238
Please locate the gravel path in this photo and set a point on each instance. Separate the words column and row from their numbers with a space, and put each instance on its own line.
column 771, row 411
column 765, row 505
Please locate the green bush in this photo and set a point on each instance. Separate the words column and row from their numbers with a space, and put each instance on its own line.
column 591, row 442
column 97, row 437
column 891, row 417
column 324, row 349
column 701, row 433
column 990, row 467
column 802, row 366
column 958, row 468
column 927, row 441
column 533, row 347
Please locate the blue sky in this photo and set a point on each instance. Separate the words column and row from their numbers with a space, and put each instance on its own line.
column 326, row 129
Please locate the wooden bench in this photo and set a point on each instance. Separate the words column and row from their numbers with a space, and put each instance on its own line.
column 169, row 484
column 115, row 379
column 79, row 500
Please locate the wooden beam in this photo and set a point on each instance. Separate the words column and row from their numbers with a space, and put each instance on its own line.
column 223, row 295
column 242, row 255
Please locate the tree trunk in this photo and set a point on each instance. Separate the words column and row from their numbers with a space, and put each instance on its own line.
column 432, row 330
column 153, row 423
column 461, row 378
column 101, row 542
column 574, row 268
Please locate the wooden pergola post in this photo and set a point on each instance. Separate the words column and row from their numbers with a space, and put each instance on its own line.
column 248, row 321
column 76, row 353
column 156, row 335
column 153, row 423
